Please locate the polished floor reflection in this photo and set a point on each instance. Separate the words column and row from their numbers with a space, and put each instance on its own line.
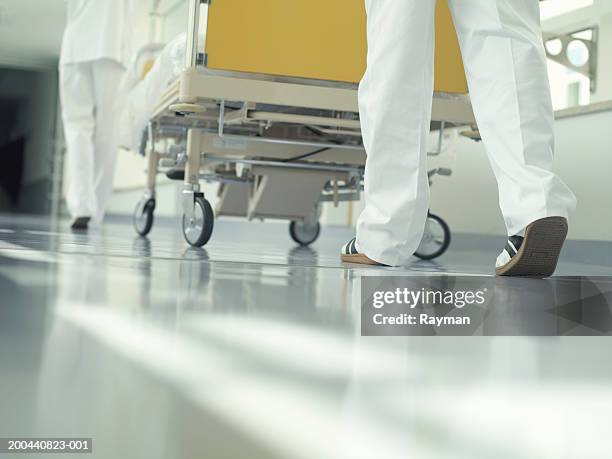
column 252, row 348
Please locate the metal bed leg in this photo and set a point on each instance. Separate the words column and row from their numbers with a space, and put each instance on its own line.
column 143, row 214
column 193, row 27
column 198, row 217
column 152, row 163
column 191, row 187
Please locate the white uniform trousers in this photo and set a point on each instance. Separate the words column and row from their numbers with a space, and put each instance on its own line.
column 505, row 63
column 90, row 101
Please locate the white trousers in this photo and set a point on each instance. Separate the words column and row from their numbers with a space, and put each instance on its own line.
column 505, row 63
column 89, row 96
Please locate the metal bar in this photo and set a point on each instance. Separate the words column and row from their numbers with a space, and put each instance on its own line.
column 193, row 29
column 167, row 130
column 223, row 179
column 342, row 197
column 192, row 168
column 440, row 141
column 342, row 188
column 286, row 165
column 297, row 143
column 221, row 118
column 152, row 162
column 337, row 132
column 302, row 119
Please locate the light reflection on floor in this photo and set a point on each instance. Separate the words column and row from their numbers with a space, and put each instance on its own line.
column 251, row 348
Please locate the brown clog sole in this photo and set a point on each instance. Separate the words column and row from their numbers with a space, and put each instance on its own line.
column 359, row 258
column 539, row 253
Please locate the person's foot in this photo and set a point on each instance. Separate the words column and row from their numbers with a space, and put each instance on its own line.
column 80, row 224
column 535, row 255
column 350, row 254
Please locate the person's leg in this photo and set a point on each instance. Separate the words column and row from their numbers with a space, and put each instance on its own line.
column 107, row 80
column 395, row 98
column 505, row 63
column 76, row 94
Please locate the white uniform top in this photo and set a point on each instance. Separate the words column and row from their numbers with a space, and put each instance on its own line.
column 97, row 29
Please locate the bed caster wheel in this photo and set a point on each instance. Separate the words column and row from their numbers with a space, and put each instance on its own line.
column 198, row 230
column 143, row 216
column 304, row 233
column 436, row 238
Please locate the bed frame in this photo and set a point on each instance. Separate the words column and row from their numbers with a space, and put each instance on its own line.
column 272, row 114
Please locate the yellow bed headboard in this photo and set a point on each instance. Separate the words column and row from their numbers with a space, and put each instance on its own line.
column 319, row 39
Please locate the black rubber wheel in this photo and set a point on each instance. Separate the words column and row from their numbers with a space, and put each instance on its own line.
column 197, row 231
column 304, row 234
column 143, row 217
column 436, row 239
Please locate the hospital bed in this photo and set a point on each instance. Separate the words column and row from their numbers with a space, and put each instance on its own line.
column 267, row 106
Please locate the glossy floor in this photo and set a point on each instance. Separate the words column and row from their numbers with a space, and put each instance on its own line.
column 252, row 349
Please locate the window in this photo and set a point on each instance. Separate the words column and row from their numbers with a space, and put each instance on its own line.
column 572, row 64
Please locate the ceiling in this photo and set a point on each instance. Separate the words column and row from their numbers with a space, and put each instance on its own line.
column 31, row 32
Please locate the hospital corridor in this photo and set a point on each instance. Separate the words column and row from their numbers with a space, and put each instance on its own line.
column 305, row 230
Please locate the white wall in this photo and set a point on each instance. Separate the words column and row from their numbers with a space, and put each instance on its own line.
column 599, row 15
column 175, row 15
column 604, row 58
